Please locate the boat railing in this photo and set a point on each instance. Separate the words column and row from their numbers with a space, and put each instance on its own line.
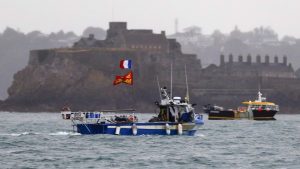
column 242, row 109
column 98, row 117
column 265, row 107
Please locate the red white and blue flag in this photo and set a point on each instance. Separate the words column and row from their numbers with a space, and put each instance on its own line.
column 125, row 64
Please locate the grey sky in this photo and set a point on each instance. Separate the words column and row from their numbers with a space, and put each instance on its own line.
column 53, row 15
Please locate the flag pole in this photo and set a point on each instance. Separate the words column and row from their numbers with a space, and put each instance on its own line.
column 132, row 90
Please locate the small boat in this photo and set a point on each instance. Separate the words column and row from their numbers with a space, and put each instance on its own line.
column 175, row 117
column 259, row 109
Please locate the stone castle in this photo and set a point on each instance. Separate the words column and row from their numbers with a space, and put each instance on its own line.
column 118, row 36
column 82, row 75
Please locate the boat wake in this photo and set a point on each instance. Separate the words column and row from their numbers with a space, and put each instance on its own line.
column 59, row 133
column 64, row 133
column 200, row 135
column 18, row 134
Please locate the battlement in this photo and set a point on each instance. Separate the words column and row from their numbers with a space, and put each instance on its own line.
column 249, row 60
column 244, row 66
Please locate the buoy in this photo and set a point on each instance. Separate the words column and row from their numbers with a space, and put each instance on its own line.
column 118, row 129
column 179, row 129
column 134, row 129
column 168, row 130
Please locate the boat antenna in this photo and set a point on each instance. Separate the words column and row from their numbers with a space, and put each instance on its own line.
column 259, row 98
column 259, row 85
column 259, row 81
column 158, row 88
column 187, row 86
column 171, row 81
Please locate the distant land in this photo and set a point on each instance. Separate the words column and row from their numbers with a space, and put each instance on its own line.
column 66, row 69
column 15, row 47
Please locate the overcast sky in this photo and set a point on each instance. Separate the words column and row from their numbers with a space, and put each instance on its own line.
column 75, row 15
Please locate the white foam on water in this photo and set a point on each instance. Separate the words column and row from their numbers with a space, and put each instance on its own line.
column 14, row 134
column 60, row 133
column 18, row 134
column 200, row 135
column 64, row 133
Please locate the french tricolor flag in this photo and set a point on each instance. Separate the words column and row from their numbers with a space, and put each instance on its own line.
column 125, row 64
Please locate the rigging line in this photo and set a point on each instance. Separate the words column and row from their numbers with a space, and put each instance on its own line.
column 158, row 88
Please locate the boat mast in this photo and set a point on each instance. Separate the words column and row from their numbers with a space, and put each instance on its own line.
column 171, row 91
column 187, row 86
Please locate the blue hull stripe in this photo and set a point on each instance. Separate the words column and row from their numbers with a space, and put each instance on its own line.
column 143, row 129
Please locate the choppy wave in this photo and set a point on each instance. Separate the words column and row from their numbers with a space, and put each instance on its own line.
column 28, row 141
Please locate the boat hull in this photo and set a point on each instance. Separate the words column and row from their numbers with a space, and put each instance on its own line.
column 231, row 115
column 221, row 115
column 153, row 128
column 264, row 114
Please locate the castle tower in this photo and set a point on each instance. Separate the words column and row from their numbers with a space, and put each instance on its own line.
column 249, row 59
column 118, row 25
column 240, row 58
column 222, row 59
column 116, row 29
column 276, row 59
column 258, row 59
column 230, row 58
column 284, row 60
column 267, row 59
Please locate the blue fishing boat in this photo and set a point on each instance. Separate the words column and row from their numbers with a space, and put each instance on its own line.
column 176, row 116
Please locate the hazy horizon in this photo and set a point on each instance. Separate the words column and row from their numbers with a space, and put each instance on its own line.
column 74, row 15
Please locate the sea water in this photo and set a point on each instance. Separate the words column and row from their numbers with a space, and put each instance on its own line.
column 44, row 140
